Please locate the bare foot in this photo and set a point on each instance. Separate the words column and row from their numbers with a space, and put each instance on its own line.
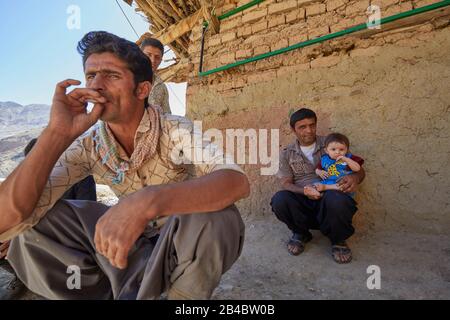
column 319, row 187
column 312, row 191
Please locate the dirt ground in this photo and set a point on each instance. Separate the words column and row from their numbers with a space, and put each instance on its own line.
column 413, row 266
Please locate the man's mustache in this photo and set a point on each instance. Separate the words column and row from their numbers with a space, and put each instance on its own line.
column 103, row 94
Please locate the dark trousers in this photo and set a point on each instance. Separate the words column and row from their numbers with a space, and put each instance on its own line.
column 187, row 261
column 83, row 190
column 332, row 214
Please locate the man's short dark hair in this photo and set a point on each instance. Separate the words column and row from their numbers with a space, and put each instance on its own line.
column 153, row 43
column 337, row 137
column 303, row 113
column 127, row 51
column 29, row 146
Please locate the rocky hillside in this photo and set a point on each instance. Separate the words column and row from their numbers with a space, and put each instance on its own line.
column 11, row 149
column 18, row 125
column 16, row 119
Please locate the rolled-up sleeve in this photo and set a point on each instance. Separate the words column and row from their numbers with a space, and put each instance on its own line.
column 72, row 167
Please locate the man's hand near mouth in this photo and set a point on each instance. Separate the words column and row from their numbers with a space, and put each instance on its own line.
column 69, row 116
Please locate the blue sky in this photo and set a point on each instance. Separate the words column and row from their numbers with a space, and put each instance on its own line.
column 38, row 49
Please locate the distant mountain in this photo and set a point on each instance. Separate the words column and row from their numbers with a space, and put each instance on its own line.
column 15, row 118
column 18, row 125
column 11, row 149
column 12, row 113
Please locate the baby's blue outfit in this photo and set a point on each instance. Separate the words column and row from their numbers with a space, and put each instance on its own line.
column 335, row 169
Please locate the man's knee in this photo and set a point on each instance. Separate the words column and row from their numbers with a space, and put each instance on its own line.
column 281, row 200
column 65, row 212
column 338, row 199
column 53, row 218
column 225, row 229
column 222, row 230
column 64, row 220
column 339, row 207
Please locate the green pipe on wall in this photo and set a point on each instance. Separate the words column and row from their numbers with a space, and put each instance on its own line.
column 330, row 36
column 239, row 9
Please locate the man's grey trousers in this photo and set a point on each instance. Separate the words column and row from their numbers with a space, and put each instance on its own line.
column 187, row 261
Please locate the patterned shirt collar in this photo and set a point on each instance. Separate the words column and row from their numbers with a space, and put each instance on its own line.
column 144, row 126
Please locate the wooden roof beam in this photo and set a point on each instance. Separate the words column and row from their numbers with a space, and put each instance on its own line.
column 175, row 73
column 175, row 31
column 212, row 20
column 176, row 9
column 183, row 7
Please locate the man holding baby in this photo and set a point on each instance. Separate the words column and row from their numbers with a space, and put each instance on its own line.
column 319, row 177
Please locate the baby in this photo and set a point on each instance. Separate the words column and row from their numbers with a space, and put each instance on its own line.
column 336, row 163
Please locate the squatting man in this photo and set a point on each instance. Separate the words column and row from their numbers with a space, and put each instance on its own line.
column 175, row 228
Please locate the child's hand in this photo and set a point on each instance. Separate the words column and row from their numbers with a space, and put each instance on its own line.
column 322, row 174
column 341, row 158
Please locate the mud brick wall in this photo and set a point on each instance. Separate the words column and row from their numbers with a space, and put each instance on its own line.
column 389, row 93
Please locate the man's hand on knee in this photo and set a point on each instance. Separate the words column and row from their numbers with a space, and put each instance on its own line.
column 118, row 229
